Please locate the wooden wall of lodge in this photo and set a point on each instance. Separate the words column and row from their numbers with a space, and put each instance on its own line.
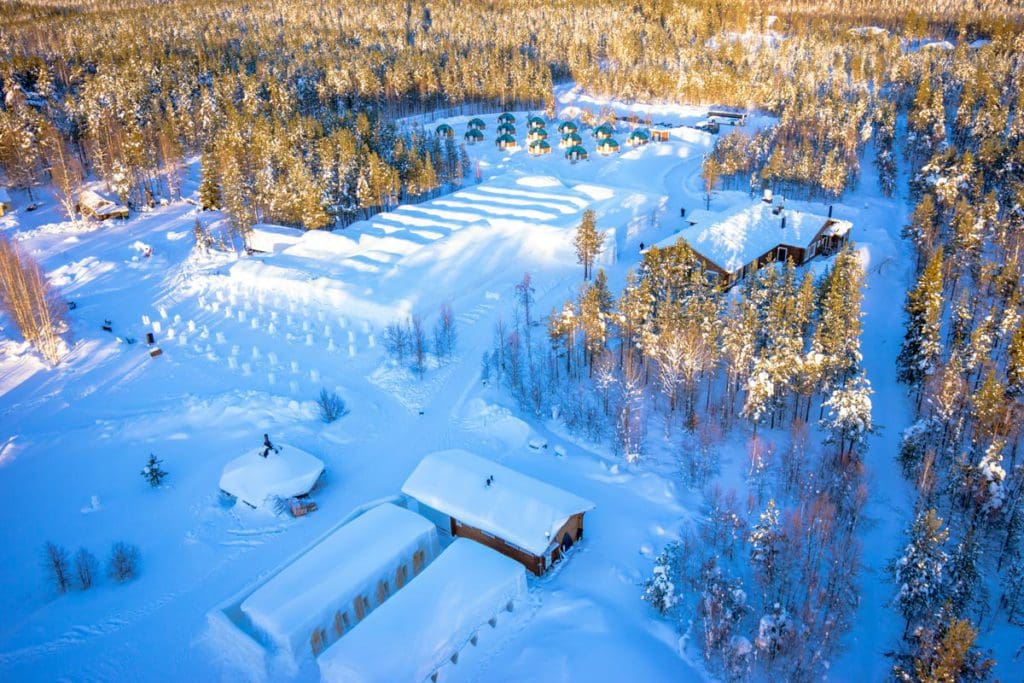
column 537, row 564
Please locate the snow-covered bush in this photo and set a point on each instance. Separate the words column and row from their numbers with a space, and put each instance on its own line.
column 152, row 472
column 723, row 605
column 918, row 571
column 660, row 588
column 124, row 562
column 775, row 632
column 55, row 563
column 991, row 493
column 85, row 568
column 849, row 413
column 332, row 406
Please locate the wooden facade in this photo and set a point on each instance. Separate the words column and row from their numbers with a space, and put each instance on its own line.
column 567, row 536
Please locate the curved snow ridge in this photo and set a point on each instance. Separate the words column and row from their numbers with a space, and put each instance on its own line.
column 539, row 181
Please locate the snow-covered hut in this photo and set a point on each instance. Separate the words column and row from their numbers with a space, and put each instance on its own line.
column 538, row 147
column 93, row 205
column 507, row 117
column 570, row 139
column 567, row 127
column 505, row 142
column 659, row 134
column 603, row 131
column 476, row 124
column 527, row 519
column 576, row 152
column 284, row 473
column 271, row 239
column 5, row 201
column 444, row 130
column 420, row 632
column 607, row 146
column 325, row 592
column 474, row 135
column 638, row 137
column 736, row 243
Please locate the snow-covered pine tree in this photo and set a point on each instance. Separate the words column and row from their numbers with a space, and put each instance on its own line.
column 660, row 588
column 765, row 544
column 849, row 414
column 922, row 343
column 588, row 242
column 918, row 571
column 152, row 472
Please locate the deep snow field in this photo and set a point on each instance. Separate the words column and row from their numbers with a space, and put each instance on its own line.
column 248, row 343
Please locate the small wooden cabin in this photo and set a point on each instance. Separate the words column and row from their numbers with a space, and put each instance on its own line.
column 93, row 205
column 537, row 134
column 575, row 153
column 444, row 130
column 524, row 518
column 476, row 124
column 659, row 135
column 506, row 141
column 535, row 122
column 474, row 135
column 506, row 129
column 570, row 139
column 603, row 132
column 567, row 127
column 507, row 118
column 638, row 137
column 607, row 146
column 539, row 147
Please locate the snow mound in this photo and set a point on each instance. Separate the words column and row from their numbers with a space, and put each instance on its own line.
column 496, row 422
column 422, row 629
column 595, row 192
column 539, row 181
column 253, row 479
column 272, row 238
column 322, row 585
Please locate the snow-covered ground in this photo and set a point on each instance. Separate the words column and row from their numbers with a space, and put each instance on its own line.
column 248, row 342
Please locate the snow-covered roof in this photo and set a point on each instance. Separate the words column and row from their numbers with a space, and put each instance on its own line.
column 734, row 238
column 99, row 205
column 344, row 566
column 4, row 197
column 416, row 632
column 253, row 478
column 522, row 510
column 272, row 238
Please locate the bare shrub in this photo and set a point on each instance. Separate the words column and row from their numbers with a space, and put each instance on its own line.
column 419, row 346
column 331, row 406
column 85, row 568
column 55, row 562
column 124, row 562
column 396, row 341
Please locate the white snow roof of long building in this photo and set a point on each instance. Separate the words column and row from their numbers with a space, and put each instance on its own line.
column 734, row 238
column 345, row 565
column 415, row 633
column 522, row 510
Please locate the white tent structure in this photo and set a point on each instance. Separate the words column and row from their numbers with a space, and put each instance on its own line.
column 327, row 591
column 422, row 630
column 257, row 480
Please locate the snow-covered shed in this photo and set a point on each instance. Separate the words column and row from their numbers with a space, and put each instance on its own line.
column 272, row 239
column 529, row 520
column 284, row 473
column 422, row 629
column 324, row 593
column 5, row 201
column 93, row 205
column 735, row 243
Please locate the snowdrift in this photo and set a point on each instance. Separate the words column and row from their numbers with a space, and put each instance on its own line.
column 254, row 479
column 318, row 592
column 422, row 628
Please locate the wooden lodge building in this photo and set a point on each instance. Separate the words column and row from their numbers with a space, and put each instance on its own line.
column 736, row 243
column 471, row 497
column 93, row 205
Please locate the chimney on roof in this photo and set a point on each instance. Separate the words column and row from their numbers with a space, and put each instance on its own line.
column 783, row 221
column 830, row 211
